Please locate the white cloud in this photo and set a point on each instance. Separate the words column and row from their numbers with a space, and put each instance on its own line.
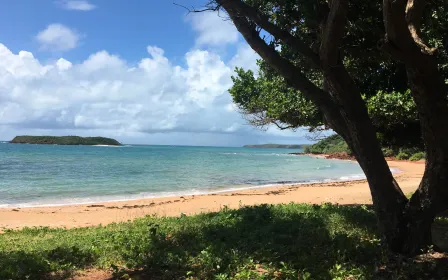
column 77, row 5
column 58, row 37
column 105, row 92
column 245, row 57
column 106, row 95
column 213, row 30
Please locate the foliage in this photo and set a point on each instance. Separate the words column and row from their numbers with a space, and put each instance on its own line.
column 388, row 152
column 417, row 156
column 402, row 156
column 266, row 98
column 294, row 241
column 265, row 101
column 329, row 145
column 395, row 116
column 336, row 144
column 65, row 140
column 388, row 109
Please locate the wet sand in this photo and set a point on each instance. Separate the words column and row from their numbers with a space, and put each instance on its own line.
column 351, row 192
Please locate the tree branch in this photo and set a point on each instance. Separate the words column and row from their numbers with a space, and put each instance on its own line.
column 194, row 10
column 402, row 19
column 289, row 71
column 338, row 80
column 414, row 14
column 334, row 32
column 262, row 20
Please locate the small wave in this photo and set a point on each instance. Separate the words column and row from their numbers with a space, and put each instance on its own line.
column 115, row 146
column 98, row 199
column 259, row 154
column 323, row 167
column 353, row 177
column 395, row 170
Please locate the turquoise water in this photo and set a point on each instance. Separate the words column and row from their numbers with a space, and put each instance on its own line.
column 52, row 175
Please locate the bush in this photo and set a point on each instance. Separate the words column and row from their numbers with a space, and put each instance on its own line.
column 417, row 156
column 402, row 156
column 388, row 152
column 410, row 151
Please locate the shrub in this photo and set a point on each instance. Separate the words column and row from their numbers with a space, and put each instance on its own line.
column 388, row 152
column 417, row 156
column 410, row 151
column 402, row 156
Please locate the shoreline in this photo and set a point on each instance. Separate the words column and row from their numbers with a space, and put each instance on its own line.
column 215, row 191
column 209, row 191
column 102, row 213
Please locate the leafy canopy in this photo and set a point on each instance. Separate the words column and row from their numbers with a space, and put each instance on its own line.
column 265, row 98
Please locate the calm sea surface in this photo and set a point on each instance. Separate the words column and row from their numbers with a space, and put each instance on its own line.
column 51, row 175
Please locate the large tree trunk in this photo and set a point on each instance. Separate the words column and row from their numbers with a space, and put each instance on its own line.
column 402, row 22
column 431, row 198
column 388, row 199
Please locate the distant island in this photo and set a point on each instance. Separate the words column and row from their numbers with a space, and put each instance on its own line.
column 65, row 140
column 276, row 146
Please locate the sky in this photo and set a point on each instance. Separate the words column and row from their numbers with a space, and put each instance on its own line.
column 142, row 72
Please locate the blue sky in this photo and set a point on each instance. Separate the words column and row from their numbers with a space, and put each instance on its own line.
column 139, row 71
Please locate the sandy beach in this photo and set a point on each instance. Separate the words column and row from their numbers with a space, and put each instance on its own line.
column 351, row 192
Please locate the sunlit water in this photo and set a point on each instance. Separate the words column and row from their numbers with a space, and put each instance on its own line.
column 51, row 175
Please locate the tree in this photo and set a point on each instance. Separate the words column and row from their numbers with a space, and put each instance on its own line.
column 382, row 81
column 317, row 37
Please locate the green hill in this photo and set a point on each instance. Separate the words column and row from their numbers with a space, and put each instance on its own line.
column 65, row 140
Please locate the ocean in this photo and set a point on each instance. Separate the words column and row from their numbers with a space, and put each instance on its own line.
column 38, row 175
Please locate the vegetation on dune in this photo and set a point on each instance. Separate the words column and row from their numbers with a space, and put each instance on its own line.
column 293, row 241
column 65, row 140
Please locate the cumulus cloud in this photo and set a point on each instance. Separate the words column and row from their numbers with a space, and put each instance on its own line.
column 105, row 92
column 213, row 30
column 57, row 37
column 77, row 5
column 245, row 56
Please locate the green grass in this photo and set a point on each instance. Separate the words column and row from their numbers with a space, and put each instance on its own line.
column 293, row 241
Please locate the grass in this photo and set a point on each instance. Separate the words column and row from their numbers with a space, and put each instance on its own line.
column 293, row 241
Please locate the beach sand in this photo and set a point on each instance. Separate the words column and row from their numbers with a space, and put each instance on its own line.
column 352, row 192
